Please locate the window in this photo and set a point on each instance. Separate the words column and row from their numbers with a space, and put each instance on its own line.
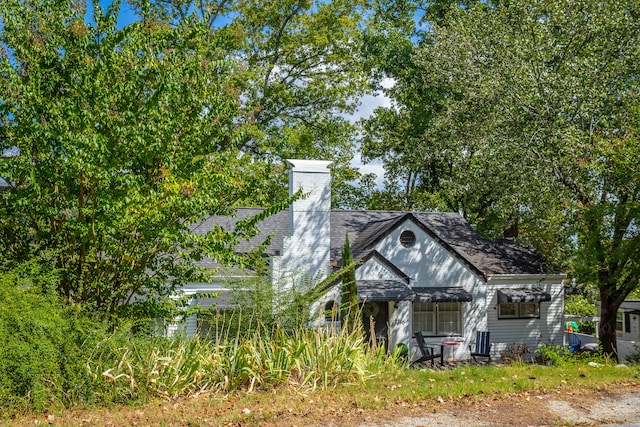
column 518, row 310
column 331, row 311
column 437, row 319
column 407, row 238
column 623, row 322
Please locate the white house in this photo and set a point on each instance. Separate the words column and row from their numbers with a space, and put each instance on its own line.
column 627, row 327
column 417, row 271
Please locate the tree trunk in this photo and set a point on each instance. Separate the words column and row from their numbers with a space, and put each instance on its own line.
column 607, row 328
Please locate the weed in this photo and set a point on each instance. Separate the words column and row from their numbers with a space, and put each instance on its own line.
column 515, row 353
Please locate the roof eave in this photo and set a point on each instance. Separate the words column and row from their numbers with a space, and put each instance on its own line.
column 540, row 276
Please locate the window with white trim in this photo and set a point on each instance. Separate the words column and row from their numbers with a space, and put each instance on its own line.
column 437, row 319
column 620, row 321
column 519, row 310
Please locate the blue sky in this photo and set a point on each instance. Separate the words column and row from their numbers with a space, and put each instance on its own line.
column 127, row 15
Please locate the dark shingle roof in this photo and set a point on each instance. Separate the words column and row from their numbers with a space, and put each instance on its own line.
column 384, row 290
column 366, row 228
column 275, row 227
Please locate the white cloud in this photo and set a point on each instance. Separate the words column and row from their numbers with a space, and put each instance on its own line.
column 368, row 104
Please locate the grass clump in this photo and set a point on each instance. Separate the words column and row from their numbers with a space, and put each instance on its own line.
column 301, row 359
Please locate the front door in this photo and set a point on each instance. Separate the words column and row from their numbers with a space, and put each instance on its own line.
column 375, row 319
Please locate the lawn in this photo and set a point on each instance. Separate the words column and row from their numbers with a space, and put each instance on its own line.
column 404, row 392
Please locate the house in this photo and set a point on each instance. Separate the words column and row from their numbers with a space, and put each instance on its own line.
column 417, row 271
column 627, row 327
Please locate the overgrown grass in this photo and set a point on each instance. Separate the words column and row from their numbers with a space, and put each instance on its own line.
column 125, row 367
column 53, row 355
column 168, row 368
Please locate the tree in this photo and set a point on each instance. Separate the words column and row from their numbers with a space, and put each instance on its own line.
column 416, row 162
column 301, row 75
column 349, row 302
column 115, row 141
column 543, row 113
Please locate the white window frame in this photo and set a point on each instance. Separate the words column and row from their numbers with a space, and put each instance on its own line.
column 434, row 315
column 620, row 326
column 519, row 310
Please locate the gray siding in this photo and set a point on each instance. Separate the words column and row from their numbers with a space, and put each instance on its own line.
column 532, row 332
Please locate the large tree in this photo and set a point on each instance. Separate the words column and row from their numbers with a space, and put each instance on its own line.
column 114, row 141
column 538, row 115
column 301, row 76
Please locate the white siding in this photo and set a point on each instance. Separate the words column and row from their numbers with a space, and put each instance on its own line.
column 634, row 321
column 400, row 323
column 428, row 264
column 373, row 269
column 548, row 329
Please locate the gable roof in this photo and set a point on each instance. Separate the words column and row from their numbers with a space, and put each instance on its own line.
column 365, row 228
column 387, row 264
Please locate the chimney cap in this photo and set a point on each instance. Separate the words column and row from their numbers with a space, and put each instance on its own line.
column 318, row 166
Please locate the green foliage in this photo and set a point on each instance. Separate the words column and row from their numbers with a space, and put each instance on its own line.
column 51, row 355
column 301, row 75
column 115, row 142
column 349, row 301
column 553, row 354
column 579, row 305
column 43, row 344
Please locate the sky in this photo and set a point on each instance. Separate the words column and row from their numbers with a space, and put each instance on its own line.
column 126, row 16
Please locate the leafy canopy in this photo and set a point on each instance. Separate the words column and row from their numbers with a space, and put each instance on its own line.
column 115, row 141
column 524, row 116
column 301, row 74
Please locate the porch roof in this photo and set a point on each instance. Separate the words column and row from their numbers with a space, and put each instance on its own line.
column 441, row 294
column 523, row 295
column 384, row 290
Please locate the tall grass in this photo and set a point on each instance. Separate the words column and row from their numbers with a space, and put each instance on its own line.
column 55, row 355
column 270, row 357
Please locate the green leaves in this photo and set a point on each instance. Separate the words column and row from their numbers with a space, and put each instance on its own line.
column 300, row 74
column 535, row 121
column 119, row 139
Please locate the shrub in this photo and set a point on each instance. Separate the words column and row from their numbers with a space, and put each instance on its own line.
column 553, row 354
column 42, row 340
column 634, row 356
column 515, row 353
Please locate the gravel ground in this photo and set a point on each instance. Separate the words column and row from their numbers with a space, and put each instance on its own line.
column 604, row 408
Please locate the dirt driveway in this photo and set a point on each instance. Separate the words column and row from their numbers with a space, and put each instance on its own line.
column 616, row 405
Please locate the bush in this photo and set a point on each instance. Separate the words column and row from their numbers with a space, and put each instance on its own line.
column 515, row 353
column 553, row 354
column 634, row 356
column 42, row 340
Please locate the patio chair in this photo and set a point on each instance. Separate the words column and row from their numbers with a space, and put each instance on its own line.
column 482, row 346
column 575, row 343
column 428, row 352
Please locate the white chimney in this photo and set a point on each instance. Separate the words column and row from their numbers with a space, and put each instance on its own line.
column 305, row 255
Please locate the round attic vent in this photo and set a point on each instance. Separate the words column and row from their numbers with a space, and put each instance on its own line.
column 407, row 238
